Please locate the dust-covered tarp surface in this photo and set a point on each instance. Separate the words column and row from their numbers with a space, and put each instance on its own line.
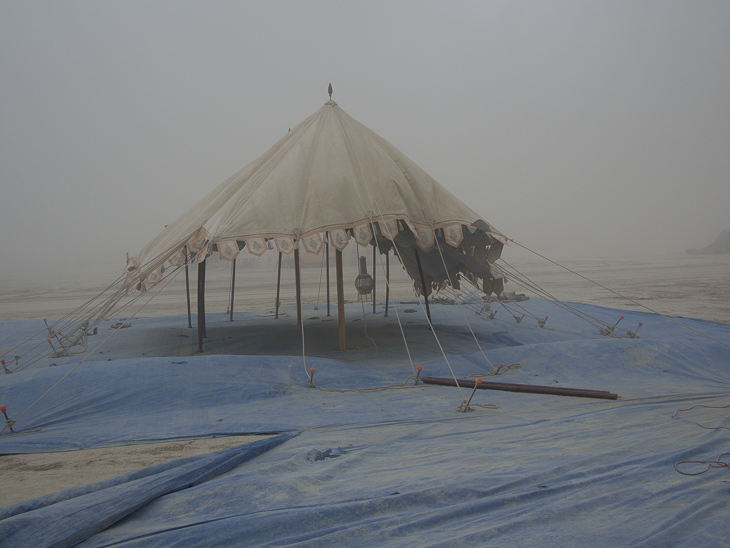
column 399, row 466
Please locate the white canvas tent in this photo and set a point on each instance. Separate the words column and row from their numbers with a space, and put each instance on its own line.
column 330, row 180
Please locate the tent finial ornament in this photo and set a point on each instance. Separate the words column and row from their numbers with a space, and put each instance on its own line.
column 329, row 90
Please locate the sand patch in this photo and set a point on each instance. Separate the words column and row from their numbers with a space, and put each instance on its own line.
column 28, row 476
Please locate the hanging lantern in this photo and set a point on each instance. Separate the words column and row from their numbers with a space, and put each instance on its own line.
column 364, row 281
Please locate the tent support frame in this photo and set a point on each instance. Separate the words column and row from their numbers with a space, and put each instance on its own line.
column 423, row 284
column 327, row 260
column 340, row 300
column 374, row 271
column 187, row 287
column 233, row 287
column 387, row 281
column 278, row 288
column 201, row 304
column 298, row 281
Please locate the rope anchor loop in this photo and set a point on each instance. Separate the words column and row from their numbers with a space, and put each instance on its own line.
column 464, row 407
column 608, row 330
column 633, row 334
column 418, row 374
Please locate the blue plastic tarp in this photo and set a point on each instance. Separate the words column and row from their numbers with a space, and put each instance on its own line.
column 399, row 466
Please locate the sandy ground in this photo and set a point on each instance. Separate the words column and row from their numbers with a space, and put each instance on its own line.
column 683, row 285
column 25, row 477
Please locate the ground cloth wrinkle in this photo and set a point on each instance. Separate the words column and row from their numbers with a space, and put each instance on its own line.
column 72, row 515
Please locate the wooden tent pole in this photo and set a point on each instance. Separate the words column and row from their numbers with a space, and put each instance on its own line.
column 233, row 287
column 278, row 288
column 387, row 281
column 187, row 287
column 327, row 260
column 205, row 323
column 423, row 284
column 298, row 280
column 201, row 304
column 374, row 271
column 340, row 300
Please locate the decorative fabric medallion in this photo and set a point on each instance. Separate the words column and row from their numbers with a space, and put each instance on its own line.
column 363, row 235
column 197, row 243
column 131, row 265
column 453, row 235
column 338, row 238
column 228, row 249
column 424, row 238
column 177, row 258
column 284, row 244
column 313, row 243
column 389, row 228
column 154, row 277
column 256, row 246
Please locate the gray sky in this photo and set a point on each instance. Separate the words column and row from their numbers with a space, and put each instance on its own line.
column 576, row 128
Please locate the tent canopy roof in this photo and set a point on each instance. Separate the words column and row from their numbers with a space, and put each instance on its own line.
column 330, row 174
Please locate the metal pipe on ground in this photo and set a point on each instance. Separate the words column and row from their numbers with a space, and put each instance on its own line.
column 527, row 388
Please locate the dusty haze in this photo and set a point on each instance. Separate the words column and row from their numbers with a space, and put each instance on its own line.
column 576, row 128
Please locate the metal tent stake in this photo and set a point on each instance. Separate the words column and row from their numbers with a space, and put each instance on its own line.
column 465, row 407
column 8, row 421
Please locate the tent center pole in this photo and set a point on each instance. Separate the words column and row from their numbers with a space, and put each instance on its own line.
column 187, row 287
column 278, row 287
column 233, row 287
column 298, row 281
column 327, row 260
column 423, row 284
column 340, row 300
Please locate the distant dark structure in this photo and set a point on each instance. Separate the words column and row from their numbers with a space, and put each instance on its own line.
column 721, row 245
